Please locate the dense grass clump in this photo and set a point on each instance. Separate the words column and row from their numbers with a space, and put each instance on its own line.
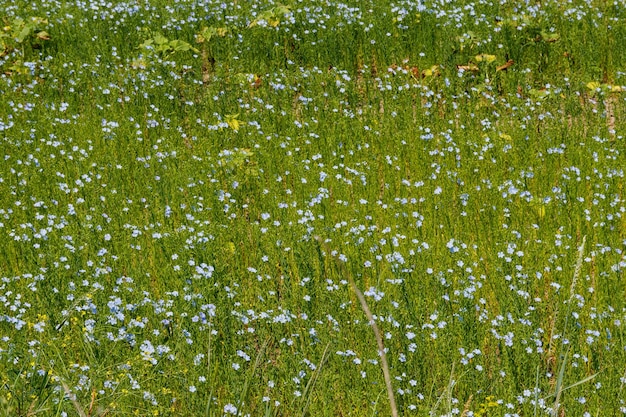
column 198, row 201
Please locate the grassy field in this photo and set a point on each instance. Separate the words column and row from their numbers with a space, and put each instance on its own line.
column 193, row 195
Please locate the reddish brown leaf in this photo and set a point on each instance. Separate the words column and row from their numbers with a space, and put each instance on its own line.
column 505, row 65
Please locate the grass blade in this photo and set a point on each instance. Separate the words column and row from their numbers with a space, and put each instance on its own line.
column 377, row 335
column 311, row 384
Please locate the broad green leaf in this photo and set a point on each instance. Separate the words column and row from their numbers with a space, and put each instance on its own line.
column 234, row 124
column 282, row 10
column 146, row 44
column 160, row 39
column 23, row 34
column 593, row 85
column 550, row 36
column 43, row 35
column 178, row 45
column 485, row 57
column 205, row 34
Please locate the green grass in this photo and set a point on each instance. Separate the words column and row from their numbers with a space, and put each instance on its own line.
column 461, row 163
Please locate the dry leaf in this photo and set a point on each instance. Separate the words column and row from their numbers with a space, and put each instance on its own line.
column 505, row 66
